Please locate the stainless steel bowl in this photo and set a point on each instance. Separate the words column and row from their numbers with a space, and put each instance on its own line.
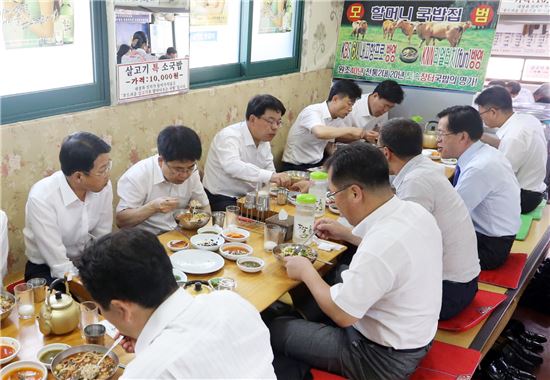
column 278, row 251
column 5, row 313
column 84, row 348
column 296, row 175
column 185, row 219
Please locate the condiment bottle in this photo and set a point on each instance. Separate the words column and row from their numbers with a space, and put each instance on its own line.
column 319, row 184
column 304, row 217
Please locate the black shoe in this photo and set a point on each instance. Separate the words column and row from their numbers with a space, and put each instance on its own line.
column 525, row 342
column 535, row 359
column 512, row 358
column 500, row 368
column 518, row 328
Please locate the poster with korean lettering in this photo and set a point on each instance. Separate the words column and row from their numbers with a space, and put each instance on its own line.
column 142, row 80
column 438, row 44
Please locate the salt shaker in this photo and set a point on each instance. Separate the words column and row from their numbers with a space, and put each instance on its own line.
column 282, row 195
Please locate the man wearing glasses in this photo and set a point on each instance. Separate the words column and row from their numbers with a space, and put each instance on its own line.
column 240, row 154
column 154, row 187
column 520, row 137
column 65, row 210
column 485, row 180
column 382, row 313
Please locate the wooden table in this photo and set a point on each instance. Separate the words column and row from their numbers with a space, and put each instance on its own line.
column 32, row 340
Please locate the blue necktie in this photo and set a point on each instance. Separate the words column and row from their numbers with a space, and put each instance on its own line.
column 457, row 174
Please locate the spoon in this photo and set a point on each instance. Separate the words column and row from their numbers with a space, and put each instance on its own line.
column 115, row 343
column 298, row 248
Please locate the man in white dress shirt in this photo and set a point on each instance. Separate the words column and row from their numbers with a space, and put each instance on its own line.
column 318, row 124
column 521, row 138
column 519, row 94
column 154, row 187
column 173, row 334
column 67, row 209
column 240, row 154
column 4, row 246
column 420, row 180
column 384, row 311
column 371, row 110
column 485, row 180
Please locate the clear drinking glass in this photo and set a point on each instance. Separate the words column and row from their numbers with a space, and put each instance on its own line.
column 231, row 216
column 273, row 236
column 226, row 284
column 24, row 297
column 89, row 315
column 39, row 288
column 218, row 218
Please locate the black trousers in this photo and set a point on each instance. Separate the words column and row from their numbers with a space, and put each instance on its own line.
column 493, row 250
column 456, row 297
column 219, row 202
column 33, row 270
column 530, row 200
column 285, row 166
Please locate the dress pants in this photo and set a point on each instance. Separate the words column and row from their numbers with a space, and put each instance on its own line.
column 300, row 167
column 529, row 200
column 456, row 297
column 219, row 202
column 493, row 250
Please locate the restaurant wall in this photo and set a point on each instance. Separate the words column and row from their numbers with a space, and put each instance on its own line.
column 29, row 150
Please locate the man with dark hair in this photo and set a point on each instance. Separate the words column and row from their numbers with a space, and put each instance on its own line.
column 154, row 187
column 240, row 154
column 70, row 207
column 173, row 334
column 171, row 53
column 320, row 123
column 383, row 312
column 518, row 93
column 485, row 180
column 371, row 110
column 520, row 137
column 420, row 180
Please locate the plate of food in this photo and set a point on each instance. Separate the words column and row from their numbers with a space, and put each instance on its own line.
column 191, row 219
column 297, row 175
column 431, row 153
column 234, row 251
column 177, row 245
column 210, row 242
column 215, row 229
column 181, row 278
column 449, row 161
column 7, row 303
column 235, row 234
column 197, row 261
column 292, row 249
column 24, row 369
column 79, row 362
column 409, row 54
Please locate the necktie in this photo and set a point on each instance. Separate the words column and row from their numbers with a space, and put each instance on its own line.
column 457, row 174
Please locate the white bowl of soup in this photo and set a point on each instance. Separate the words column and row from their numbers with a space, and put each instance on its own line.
column 234, row 251
column 47, row 354
column 24, row 369
column 250, row 264
column 9, row 347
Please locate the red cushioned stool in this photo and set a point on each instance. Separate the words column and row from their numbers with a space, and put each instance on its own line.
column 481, row 307
column 508, row 275
column 322, row 375
column 446, row 361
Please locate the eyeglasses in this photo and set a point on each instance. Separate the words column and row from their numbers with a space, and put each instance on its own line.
column 332, row 194
column 274, row 123
column 103, row 172
column 441, row 134
column 484, row 112
column 190, row 170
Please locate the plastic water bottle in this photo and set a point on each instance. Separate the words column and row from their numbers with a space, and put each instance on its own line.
column 304, row 217
column 319, row 185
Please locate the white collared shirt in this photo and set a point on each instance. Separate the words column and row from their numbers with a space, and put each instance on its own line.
column 490, row 190
column 144, row 182
column 523, row 143
column 394, row 283
column 302, row 147
column 235, row 164
column 213, row 336
column 360, row 116
column 424, row 182
column 4, row 245
column 58, row 224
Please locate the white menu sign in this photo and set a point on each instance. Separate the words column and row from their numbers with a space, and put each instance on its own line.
column 526, row 7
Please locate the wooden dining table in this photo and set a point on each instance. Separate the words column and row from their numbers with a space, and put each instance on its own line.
column 261, row 289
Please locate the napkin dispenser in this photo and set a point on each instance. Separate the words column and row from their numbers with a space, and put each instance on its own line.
column 287, row 223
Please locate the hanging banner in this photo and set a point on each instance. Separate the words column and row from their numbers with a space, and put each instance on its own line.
column 439, row 44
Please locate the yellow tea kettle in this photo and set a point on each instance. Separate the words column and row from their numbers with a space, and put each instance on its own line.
column 429, row 138
column 60, row 314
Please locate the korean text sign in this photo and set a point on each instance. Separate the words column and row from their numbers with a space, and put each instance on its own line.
column 439, row 44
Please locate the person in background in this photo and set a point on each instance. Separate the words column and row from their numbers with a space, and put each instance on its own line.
column 419, row 179
column 139, row 51
column 520, row 137
column 240, row 154
column 171, row 53
column 485, row 180
column 371, row 110
column 318, row 124
column 4, row 246
column 122, row 50
column 153, row 188
column 519, row 94
column 383, row 311
column 173, row 334
column 69, row 208
column 542, row 94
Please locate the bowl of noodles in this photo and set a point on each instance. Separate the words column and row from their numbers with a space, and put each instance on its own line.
column 292, row 249
column 79, row 362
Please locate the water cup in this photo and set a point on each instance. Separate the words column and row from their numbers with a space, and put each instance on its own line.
column 226, row 284
column 95, row 334
column 273, row 236
column 231, row 216
column 89, row 315
column 39, row 288
column 218, row 218
column 24, row 297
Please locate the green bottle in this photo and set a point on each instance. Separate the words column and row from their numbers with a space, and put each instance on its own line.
column 66, row 15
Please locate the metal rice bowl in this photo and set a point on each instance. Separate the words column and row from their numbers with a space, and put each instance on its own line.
column 84, row 348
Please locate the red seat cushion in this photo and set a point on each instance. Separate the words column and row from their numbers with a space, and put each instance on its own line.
column 322, row 375
column 446, row 361
column 481, row 307
column 508, row 275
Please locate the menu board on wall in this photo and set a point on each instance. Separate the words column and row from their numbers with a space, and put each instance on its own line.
column 525, row 7
column 511, row 39
column 439, row 44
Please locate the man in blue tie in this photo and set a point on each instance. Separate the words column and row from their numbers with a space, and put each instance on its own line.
column 485, row 181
